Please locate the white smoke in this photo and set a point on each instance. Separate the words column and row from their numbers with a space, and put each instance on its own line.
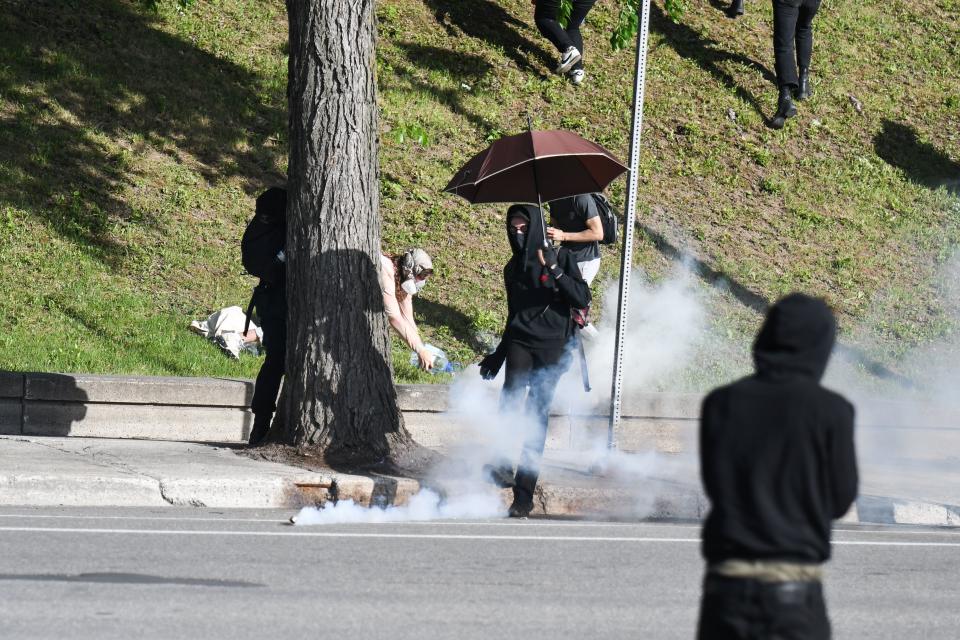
column 667, row 332
column 425, row 505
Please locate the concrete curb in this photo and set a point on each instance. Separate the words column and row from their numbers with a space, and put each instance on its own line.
column 99, row 473
column 677, row 503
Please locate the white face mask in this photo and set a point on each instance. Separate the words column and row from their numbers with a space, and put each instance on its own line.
column 411, row 286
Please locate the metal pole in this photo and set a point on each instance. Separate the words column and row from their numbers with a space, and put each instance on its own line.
column 628, row 217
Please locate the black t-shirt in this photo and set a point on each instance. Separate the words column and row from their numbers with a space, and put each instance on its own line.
column 571, row 214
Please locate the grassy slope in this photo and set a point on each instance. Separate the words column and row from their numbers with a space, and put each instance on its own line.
column 132, row 143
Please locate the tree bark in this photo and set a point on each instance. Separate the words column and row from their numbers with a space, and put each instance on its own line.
column 339, row 382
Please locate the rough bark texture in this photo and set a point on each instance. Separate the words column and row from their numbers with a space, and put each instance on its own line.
column 339, row 383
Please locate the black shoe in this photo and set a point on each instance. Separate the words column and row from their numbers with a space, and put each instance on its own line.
column 261, row 425
column 804, row 91
column 735, row 9
column 520, row 509
column 785, row 109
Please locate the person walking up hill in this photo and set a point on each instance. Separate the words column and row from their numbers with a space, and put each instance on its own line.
column 569, row 41
column 792, row 25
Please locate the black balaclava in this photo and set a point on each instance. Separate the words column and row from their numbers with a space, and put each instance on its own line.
column 796, row 338
column 525, row 251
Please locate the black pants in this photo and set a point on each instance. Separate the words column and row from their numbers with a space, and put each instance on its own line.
column 744, row 609
column 272, row 308
column 538, row 370
column 792, row 24
column 545, row 15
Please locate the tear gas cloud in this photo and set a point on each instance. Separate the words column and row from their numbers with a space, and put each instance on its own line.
column 667, row 327
column 672, row 343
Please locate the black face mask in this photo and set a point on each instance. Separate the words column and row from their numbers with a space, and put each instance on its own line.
column 518, row 240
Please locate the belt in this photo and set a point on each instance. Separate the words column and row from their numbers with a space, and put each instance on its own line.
column 767, row 570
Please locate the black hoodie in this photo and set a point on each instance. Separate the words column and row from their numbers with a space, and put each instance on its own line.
column 776, row 449
column 538, row 302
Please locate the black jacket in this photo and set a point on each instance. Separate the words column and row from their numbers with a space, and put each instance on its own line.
column 776, row 449
column 539, row 317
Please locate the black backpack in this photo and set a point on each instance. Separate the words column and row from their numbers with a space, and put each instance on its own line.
column 265, row 237
column 608, row 217
column 262, row 241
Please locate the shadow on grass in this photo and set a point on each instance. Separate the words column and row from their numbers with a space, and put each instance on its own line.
column 708, row 54
column 486, row 20
column 461, row 67
column 900, row 146
column 80, row 75
column 759, row 303
column 459, row 323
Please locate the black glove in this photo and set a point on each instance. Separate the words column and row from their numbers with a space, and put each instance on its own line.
column 550, row 256
column 490, row 366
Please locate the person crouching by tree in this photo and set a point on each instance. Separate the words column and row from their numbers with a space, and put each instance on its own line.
column 778, row 464
column 542, row 284
column 402, row 277
column 263, row 256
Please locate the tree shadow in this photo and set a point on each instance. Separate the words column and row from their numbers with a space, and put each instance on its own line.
column 759, row 303
column 52, row 404
column 487, row 20
column 707, row 54
column 462, row 66
column 92, row 85
column 900, row 146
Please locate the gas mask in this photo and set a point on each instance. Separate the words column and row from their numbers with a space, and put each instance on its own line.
column 415, row 267
column 412, row 286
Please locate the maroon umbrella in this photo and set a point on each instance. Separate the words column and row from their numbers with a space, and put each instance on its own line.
column 536, row 167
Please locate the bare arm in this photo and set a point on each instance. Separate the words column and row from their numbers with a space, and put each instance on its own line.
column 593, row 233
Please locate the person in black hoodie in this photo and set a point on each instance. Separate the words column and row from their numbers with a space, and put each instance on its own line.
column 778, row 465
column 270, row 300
column 543, row 285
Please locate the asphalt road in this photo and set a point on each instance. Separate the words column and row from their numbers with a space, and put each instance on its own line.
column 199, row 573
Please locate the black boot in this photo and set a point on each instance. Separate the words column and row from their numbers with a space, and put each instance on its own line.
column 735, row 9
column 261, row 425
column 785, row 109
column 804, row 92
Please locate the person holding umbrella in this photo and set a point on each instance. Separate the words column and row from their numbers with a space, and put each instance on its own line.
column 543, row 285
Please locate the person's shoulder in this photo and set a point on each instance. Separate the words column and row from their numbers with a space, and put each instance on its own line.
column 836, row 402
column 586, row 205
column 386, row 264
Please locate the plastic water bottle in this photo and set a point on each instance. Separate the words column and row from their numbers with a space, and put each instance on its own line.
column 440, row 362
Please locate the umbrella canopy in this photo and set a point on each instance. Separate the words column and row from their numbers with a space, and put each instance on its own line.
column 535, row 167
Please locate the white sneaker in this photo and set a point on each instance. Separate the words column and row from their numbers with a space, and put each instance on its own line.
column 576, row 76
column 569, row 58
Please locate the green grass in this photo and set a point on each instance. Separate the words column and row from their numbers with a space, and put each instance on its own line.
column 133, row 141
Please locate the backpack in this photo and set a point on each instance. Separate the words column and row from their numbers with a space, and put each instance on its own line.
column 261, row 242
column 608, row 217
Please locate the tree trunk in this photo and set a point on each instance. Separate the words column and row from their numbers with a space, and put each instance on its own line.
column 339, row 382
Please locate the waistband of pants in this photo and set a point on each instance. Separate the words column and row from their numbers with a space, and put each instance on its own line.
column 773, row 571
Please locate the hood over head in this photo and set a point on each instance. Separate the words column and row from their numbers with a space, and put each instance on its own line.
column 272, row 205
column 796, row 338
column 525, row 249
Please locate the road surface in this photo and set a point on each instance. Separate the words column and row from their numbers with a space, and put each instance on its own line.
column 201, row 573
